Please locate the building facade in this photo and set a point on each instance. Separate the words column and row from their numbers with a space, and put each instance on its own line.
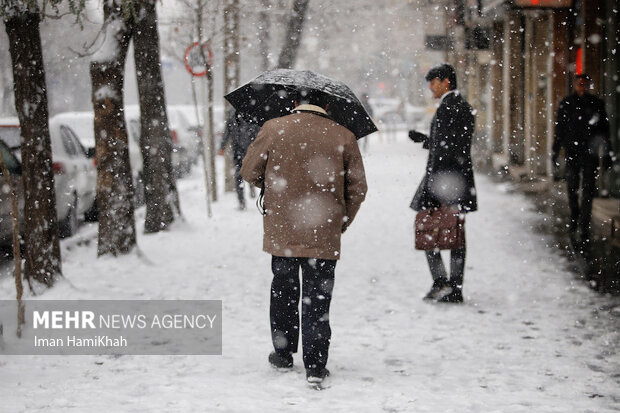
column 516, row 60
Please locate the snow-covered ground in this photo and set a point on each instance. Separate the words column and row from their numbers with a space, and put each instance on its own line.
column 529, row 338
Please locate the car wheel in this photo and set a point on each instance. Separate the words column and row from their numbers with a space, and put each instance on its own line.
column 92, row 215
column 68, row 226
column 188, row 167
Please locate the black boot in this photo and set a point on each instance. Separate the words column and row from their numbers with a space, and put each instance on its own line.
column 281, row 360
column 455, row 296
column 316, row 376
column 440, row 288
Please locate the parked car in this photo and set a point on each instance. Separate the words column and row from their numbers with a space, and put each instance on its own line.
column 419, row 117
column 133, row 132
column 195, row 125
column 6, row 218
column 181, row 163
column 83, row 124
column 10, row 134
column 184, row 132
column 385, row 108
column 75, row 175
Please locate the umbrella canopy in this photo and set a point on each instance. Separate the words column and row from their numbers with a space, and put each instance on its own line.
column 274, row 93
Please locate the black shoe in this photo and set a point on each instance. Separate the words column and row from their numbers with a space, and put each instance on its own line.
column 455, row 297
column 440, row 288
column 316, row 376
column 281, row 360
column 574, row 243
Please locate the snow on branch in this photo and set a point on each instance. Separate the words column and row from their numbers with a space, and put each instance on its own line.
column 108, row 51
column 11, row 8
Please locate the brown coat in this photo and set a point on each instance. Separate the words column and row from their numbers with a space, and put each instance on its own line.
column 314, row 183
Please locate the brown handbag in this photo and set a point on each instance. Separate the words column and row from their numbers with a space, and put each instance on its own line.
column 440, row 228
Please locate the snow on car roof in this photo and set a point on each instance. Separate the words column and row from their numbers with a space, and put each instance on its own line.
column 11, row 121
column 81, row 123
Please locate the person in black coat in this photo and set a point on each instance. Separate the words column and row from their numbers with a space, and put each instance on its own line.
column 449, row 176
column 241, row 134
column 582, row 129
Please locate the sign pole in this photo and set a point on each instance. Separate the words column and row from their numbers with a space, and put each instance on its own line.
column 206, row 147
column 204, row 64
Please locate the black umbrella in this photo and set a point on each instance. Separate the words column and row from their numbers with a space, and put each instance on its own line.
column 274, row 93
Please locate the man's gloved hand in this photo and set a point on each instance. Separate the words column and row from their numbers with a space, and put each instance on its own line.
column 417, row 136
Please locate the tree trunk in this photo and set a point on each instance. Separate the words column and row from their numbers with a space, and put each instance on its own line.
column 263, row 34
column 292, row 38
column 117, row 229
column 231, row 75
column 209, row 150
column 155, row 139
column 40, row 221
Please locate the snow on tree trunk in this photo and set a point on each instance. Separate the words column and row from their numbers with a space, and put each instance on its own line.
column 117, row 230
column 40, row 221
column 209, row 98
column 292, row 37
column 155, row 140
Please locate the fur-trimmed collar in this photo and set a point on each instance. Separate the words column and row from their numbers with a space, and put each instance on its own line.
column 310, row 108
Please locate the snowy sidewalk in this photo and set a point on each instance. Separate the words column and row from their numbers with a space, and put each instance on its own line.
column 528, row 338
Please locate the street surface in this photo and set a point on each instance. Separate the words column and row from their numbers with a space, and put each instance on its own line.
column 530, row 337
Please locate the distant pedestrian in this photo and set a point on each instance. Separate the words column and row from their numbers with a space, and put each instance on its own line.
column 449, row 178
column 582, row 129
column 241, row 134
column 314, row 183
column 366, row 103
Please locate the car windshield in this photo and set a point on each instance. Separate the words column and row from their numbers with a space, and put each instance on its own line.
column 11, row 136
column 12, row 164
column 82, row 126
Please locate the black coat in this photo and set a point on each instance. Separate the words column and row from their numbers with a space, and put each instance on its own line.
column 582, row 128
column 449, row 177
column 241, row 134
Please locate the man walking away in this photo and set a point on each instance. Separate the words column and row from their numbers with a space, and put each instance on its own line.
column 314, row 183
column 449, row 176
column 582, row 129
column 241, row 134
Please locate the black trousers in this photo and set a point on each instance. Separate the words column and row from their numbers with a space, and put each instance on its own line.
column 581, row 215
column 457, row 265
column 316, row 294
column 238, row 159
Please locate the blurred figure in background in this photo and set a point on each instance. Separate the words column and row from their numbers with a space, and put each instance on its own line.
column 366, row 104
column 241, row 134
column 582, row 129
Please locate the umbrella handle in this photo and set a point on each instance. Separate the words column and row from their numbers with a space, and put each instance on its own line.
column 260, row 202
